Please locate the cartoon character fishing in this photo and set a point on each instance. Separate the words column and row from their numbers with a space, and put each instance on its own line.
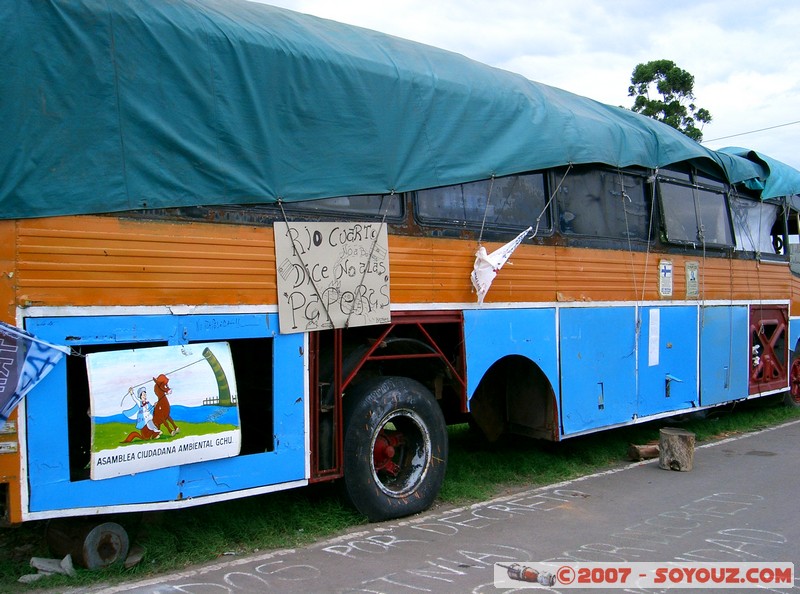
column 142, row 411
column 150, row 417
column 154, row 418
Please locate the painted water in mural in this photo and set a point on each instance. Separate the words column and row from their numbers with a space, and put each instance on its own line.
column 162, row 406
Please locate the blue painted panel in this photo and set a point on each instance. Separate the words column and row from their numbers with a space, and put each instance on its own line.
column 724, row 357
column 598, row 367
column 48, row 439
column 794, row 333
column 48, row 459
column 287, row 461
column 667, row 351
column 491, row 334
column 151, row 328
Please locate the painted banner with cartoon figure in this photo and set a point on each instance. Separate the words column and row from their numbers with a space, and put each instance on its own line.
column 162, row 406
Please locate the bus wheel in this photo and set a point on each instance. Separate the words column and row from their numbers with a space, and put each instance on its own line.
column 792, row 397
column 395, row 447
column 92, row 545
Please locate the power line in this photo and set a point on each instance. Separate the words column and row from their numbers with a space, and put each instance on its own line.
column 753, row 131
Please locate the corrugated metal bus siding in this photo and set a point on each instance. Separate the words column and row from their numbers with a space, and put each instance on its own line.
column 111, row 261
column 87, row 261
column 794, row 308
column 9, row 462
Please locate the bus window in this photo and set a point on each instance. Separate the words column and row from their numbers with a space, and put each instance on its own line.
column 753, row 224
column 793, row 239
column 377, row 205
column 602, row 203
column 713, row 218
column 512, row 203
column 694, row 215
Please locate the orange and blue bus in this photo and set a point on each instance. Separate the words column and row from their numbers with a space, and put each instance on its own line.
column 252, row 236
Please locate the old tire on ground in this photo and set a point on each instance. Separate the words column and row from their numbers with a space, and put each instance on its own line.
column 395, row 447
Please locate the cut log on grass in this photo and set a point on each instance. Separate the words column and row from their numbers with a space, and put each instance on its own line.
column 643, row 452
column 676, row 449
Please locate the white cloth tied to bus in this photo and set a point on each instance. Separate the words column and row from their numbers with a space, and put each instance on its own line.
column 486, row 265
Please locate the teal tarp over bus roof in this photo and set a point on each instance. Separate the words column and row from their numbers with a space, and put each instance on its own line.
column 111, row 105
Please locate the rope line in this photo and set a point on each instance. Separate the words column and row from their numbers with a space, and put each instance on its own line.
column 550, row 200
column 371, row 251
column 305, row 267
column 485, row 210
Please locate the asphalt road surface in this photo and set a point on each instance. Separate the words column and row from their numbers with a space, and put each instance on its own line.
column 739, row 504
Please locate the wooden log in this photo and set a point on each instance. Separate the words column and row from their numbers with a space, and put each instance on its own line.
column 676, row 449
column 643, row 452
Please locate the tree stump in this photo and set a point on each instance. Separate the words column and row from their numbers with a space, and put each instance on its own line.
column 676, row 449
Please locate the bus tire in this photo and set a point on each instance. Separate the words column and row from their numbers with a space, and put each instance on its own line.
column 395, row 447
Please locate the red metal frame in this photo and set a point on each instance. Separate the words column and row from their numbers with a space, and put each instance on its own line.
column 418, row 319
column 769, row 333
column 431, row 342
column 321, row 474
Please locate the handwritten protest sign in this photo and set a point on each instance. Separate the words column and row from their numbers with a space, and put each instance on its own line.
column 332, row 275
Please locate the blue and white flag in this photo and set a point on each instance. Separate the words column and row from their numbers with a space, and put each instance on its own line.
column 24, row 361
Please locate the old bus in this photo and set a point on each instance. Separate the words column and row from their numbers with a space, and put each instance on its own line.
column 251, row 236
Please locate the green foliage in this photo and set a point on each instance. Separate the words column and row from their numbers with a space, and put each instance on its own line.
column 674, row 104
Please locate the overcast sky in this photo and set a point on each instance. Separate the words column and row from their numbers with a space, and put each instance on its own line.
column 744, row 55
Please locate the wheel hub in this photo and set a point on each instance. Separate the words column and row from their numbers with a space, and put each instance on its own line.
column 386, row 445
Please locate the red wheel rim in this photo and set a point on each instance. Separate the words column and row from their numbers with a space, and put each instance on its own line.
column 401, row 453
column 794, row 380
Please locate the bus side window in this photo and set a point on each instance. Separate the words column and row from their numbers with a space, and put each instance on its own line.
column 505, row 203
column 369, row 204
column 793, row 236
column 603, row 203
column 694, row 215
column 757, row 226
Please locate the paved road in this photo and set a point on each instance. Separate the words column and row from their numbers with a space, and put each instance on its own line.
column 740, row 503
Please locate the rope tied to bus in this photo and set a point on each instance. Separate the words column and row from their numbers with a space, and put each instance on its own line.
column 486, row 265
column 486, row 210
column 305, row 266
column 652, row 181
column 550, row 200
column 624, row 196
column 371, row 250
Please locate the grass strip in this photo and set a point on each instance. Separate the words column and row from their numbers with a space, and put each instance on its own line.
column 178, row 539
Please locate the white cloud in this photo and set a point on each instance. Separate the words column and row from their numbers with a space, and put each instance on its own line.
column 744, row 55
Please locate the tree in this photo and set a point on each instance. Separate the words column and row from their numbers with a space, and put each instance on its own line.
column 674, row 105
